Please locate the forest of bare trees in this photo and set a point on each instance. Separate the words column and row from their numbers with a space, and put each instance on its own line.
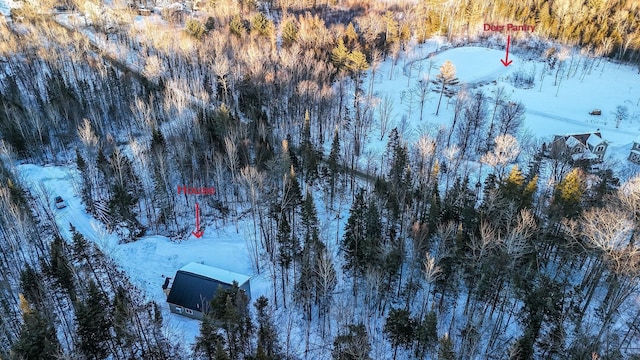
column 271, row 102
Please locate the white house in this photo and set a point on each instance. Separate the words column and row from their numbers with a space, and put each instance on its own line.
column 586, row 146
column 634, row 153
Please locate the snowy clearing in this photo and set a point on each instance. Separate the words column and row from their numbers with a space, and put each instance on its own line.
column 150, row 259
column 583, row 86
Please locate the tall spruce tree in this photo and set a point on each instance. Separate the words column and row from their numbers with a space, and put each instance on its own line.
column 309, row 154
column 333, row 163
column 37, row 339
column 353, row 240
column 94, row 323
column 230, row 314
column 446, row 351
column 60, row 266
column 268, row 345
column 209, row 344
column 400, row 328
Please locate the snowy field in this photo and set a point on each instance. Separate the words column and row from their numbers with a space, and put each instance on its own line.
column 605, row 87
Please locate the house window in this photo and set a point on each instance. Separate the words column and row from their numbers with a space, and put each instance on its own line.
column 188, row 311
column 600, row 148
column 178, row 309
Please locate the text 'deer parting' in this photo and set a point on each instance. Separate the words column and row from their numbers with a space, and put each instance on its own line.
column 196, row 190
column 509, row 27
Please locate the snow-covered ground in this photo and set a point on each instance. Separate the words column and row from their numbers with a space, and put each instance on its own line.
column 152, row 258
column 6, row 6
column 605, row 87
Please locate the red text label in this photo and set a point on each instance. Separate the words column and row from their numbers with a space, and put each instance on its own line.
column 196, row 191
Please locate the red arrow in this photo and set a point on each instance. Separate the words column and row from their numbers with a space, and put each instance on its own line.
column 198, row 233
column 506, row 61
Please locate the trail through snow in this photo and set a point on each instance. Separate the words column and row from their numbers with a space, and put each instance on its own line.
column 150, row 259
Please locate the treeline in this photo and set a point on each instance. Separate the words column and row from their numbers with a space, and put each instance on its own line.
column 66, row 298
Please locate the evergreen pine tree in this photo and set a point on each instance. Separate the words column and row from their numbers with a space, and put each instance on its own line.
column 94, row 323
column 125, row 191
column 80, row 244
column 261, row 25
column 427, row 334
column 31, row 285
column 333, row 163
column 37, row 339
column 399, row 179
column 60, row 267
column 353, row 240
column 351, row 37
column 339, row 56
column 513, row 185
column 288, row 245
column 435, row 207
column 309, row 219
column 236, row 26
column 400, row 328
column 209, row 345
column 289, row 33
column 292, row 196
column 446, row 352
column 309, row 153
column 529, row 191
column 568, row 194
column 306, row 284
column 87, row 186
column 268, row 345
column 121, row 315
column 158, row 143
column 230, row 313
column 444, row 81
column 372, row 250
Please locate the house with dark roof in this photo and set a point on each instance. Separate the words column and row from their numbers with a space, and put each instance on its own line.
column 590, row 147
column 195, row 285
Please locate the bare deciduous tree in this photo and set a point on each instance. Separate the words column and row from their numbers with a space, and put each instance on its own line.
column 506, row 150
column 385, row 114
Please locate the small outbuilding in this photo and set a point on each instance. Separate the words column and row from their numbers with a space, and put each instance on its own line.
column 195, row 285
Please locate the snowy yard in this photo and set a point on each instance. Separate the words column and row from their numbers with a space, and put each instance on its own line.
column 152, row 258
column 605, row 87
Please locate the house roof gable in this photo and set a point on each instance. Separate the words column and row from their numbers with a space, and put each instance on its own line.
column 222, row 275
column 594, row 140
column 195, row 285
column 591, row 139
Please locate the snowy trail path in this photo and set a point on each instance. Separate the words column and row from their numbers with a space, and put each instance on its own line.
column 150, row 259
